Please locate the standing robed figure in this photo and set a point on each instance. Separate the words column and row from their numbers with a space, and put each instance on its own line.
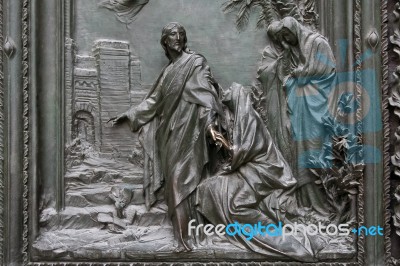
column 176, row 117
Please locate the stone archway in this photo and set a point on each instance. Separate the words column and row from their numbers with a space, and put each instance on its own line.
column 83, row 126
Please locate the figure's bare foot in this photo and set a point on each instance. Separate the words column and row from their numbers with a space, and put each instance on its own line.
column 181, row 249
column 182, row 246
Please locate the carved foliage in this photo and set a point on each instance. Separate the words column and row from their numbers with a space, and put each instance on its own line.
column 396, row 216
column 269, row 10
column 339, row 169
column 310, row 14
column 394, row 101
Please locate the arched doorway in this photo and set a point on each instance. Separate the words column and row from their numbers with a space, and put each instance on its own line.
column 83, row 126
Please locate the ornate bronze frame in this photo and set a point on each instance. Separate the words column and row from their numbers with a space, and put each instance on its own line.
column 20, row 24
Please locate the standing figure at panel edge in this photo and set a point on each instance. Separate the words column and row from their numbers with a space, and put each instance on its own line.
column 297, row 78
column 175, row 119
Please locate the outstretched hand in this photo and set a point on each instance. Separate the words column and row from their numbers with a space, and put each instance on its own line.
column 117, row 119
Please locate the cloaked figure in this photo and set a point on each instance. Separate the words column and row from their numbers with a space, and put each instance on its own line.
column 257, row 185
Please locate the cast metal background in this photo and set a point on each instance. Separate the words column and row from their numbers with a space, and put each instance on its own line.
column 32, row 28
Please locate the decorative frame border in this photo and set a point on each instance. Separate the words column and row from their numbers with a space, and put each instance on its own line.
column 394, row 102
column 359, row 130
column 26, row 128
column 193, row 264
column 26, row 23
column 386, row 128
column 2, row 119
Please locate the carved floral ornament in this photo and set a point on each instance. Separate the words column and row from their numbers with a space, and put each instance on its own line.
column 185, row 168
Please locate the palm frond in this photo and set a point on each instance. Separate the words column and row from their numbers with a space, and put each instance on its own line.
column 243, row 16
column 267, row 15
column 261, row 21
column 231, row 5
column 267, row 9
column 287, row 8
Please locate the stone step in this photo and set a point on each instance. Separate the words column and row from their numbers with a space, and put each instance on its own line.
column 146, row 244
column 94, row 170
column 89, row 217
column 95, row 243
column 96, row 194
column 155, row 243
column 133, row 179
column 87, row 176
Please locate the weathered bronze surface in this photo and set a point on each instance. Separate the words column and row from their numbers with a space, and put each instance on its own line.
column 124, row 124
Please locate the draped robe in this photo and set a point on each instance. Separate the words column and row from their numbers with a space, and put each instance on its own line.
column 259, row 187
column 274, row 102
column 176, row 113
column 310, row 96
column 311, row 92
